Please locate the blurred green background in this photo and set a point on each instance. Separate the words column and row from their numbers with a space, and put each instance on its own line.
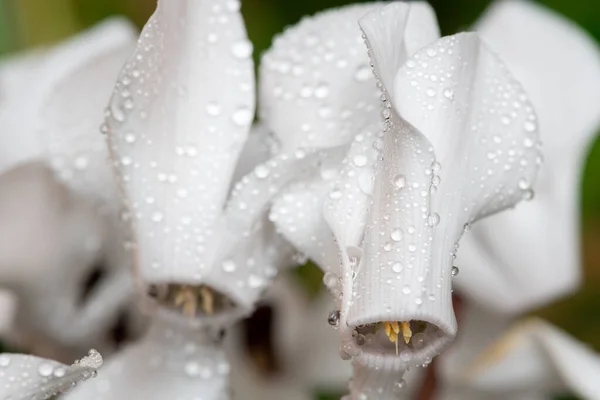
column 28, row 23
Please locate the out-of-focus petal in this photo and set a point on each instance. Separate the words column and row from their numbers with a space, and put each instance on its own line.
column 179, row 116
column 33, row 378
column 563, row 81
column 58, row 241
column 70, row 130
column 535, row 354
column 27, row 81
column 177, row 359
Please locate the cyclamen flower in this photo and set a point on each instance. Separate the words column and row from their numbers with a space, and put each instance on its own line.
column 60, row 252
column 459, row 142
column 533, row 359
column 197, row 193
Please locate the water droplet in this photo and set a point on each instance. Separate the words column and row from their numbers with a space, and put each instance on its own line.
column 431, row 92
column 242, row 49
column 261, row 171
column 229, row 266
column 213, row 109
column 406, row 289
column 363, row 73
column 529, row 126
column 455, row 270
column 399, row 387
column 397, row 234
column 523, row 184
column 433, row 219
column 45, row 369
column 192, row 368
column 322, row 91
column 397, row 267
column 333, row 318
column 157, row 217
column 360, row 160
column 399, row 181
column 242, row 116
column 4, row 360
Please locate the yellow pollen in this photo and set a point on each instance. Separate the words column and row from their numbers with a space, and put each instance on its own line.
column 186, row 299
column 208, row 300
column 406, row 332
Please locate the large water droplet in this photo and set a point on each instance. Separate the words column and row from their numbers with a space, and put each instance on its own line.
column 399, row 181
column 242, row 49
column 397, row 234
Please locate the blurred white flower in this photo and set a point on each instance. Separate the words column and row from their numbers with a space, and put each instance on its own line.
column 60, row 249
column 459, row 142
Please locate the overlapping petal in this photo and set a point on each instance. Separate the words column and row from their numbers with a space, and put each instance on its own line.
column 29, row 79
column 497, row 272
column 33, row 378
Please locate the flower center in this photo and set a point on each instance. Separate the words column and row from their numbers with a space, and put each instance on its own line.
column 191, row 300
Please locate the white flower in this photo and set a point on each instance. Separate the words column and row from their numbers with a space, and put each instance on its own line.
column 459, row 142
column 197, row 185
column 33, row 378
column 518, row 260
column 60, row 251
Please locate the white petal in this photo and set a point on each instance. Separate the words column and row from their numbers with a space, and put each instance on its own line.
column 187, row 95
column 70, row 130
column 384, row 384
column 27, row 81
column 175, row 360
column 534, row 354
column 316, row 84
column 25, row 377
column 495, row 272
column 488, row 162
column 298, row 215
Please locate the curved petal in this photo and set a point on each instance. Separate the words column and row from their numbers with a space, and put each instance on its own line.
column 33, row 378
column 175, row 360
column 297, row 214
column 243, row 235
column 456, row 92
column 70, row 130
column 27, row 80
column 316, row 84
column 495, row 272
column 534, row 354
column 179, row 117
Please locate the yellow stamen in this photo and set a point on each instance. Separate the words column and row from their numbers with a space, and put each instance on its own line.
column 208, row 300
column 406, row 332
column 186, row 298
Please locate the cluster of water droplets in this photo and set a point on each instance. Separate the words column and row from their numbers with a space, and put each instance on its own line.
column 317, row 85
column 24, row 377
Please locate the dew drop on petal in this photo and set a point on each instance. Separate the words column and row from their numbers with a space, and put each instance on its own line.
column 399, row 181
column 397, row 235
